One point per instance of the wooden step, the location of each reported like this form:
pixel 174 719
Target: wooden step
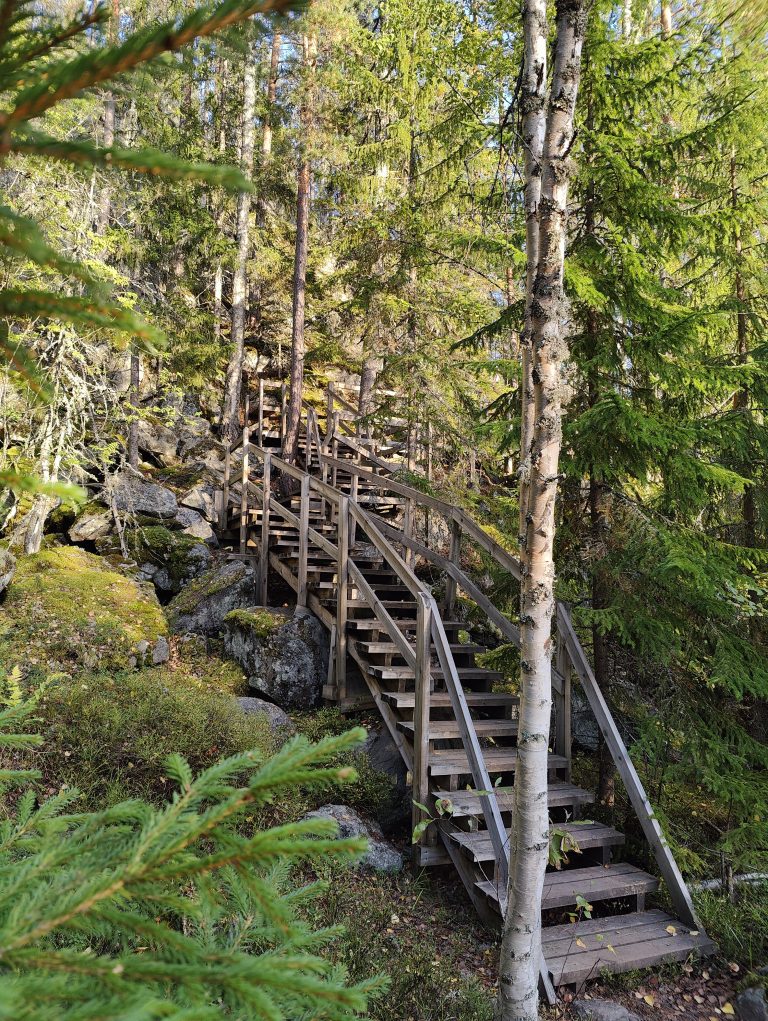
pixel 560 794
pixel 398 673
pixel 443 730
pixel 404 700
pixel 373 624
pixel 376 648
pixel 453 762
pixel 596 883
pixel 621 943
pixel 588 835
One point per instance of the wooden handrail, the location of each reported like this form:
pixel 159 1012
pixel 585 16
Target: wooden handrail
pixel 678 890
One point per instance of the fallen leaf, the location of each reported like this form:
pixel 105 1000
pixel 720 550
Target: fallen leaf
pixel 734 967
pixel 727 1008
pixel 650 999
pixel 581 943
pixel 672 930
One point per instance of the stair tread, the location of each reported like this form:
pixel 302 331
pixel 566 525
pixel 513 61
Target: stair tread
pixel 598 882
pixel 470 803
pixel 444 729
pixel 453 762
pixel 381 647
pixel 620 943
pixel 441 699
pixel 587 834
pixel 405 672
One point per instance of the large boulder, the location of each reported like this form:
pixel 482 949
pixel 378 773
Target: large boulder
pixel 168 559
pixel 133 494
pixel 67 609
pixel 7 568
pixel 285 656
pixel 193 523
pixel 157 440
pixel 584 729
pixel 203 604
pixel 201 498
pixel 192 432
pixel 94 522
pixel 280 723
pixel 381 855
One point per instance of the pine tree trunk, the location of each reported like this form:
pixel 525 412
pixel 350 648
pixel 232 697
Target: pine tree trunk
pixel 529 838
pixel 230 422
pixel 266 156
pixel 304 188
pixel 367 381
pixel 133 426
pixel 533 105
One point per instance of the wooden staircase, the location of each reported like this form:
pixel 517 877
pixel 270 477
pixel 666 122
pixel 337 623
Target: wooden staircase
pixel 346 540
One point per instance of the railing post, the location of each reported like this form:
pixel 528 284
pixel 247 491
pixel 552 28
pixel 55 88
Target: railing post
pixel 335 447
pixel 342 595
pixel 224 509
pixel 244 493
pixel 264 550
pixel 301 594
pixel 261 411
pixel 563 705
pixel 283 414
pixel 353 487
pixel 421 711
pixel 246 401
pixel 450 585
pixel 329 408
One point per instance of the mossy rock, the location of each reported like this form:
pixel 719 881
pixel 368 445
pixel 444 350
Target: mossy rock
pixel 202 605
pixel 68 609
pixel 260 622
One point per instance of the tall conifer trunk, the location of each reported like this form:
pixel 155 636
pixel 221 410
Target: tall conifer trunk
pixel 529 839
pixel 230 425
pixel 303 195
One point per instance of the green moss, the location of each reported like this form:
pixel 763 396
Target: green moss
pixel 203 660
pixel 110 733
pixel 159 545
pixel 259 622
pixel 67 608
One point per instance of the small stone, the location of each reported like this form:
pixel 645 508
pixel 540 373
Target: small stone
pixel 161 652
pixel 601 1010
pixel 751 1005
pixel 381 855
pixel 279 721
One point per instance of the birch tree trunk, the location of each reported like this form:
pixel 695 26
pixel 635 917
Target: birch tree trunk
pixel 230 425
pixel 529 839
pixel 303 192
pixel 533 105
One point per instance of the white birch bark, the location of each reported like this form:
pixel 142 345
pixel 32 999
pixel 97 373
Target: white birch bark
pixel 533 105
pixel 529 839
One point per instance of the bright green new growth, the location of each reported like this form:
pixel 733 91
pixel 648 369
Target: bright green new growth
pixel 178 912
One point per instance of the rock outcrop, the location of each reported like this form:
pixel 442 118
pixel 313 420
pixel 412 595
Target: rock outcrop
pixel 381 855
pixel 201 607
pixel 601 1010
pixel 284 655
pixel 157 440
